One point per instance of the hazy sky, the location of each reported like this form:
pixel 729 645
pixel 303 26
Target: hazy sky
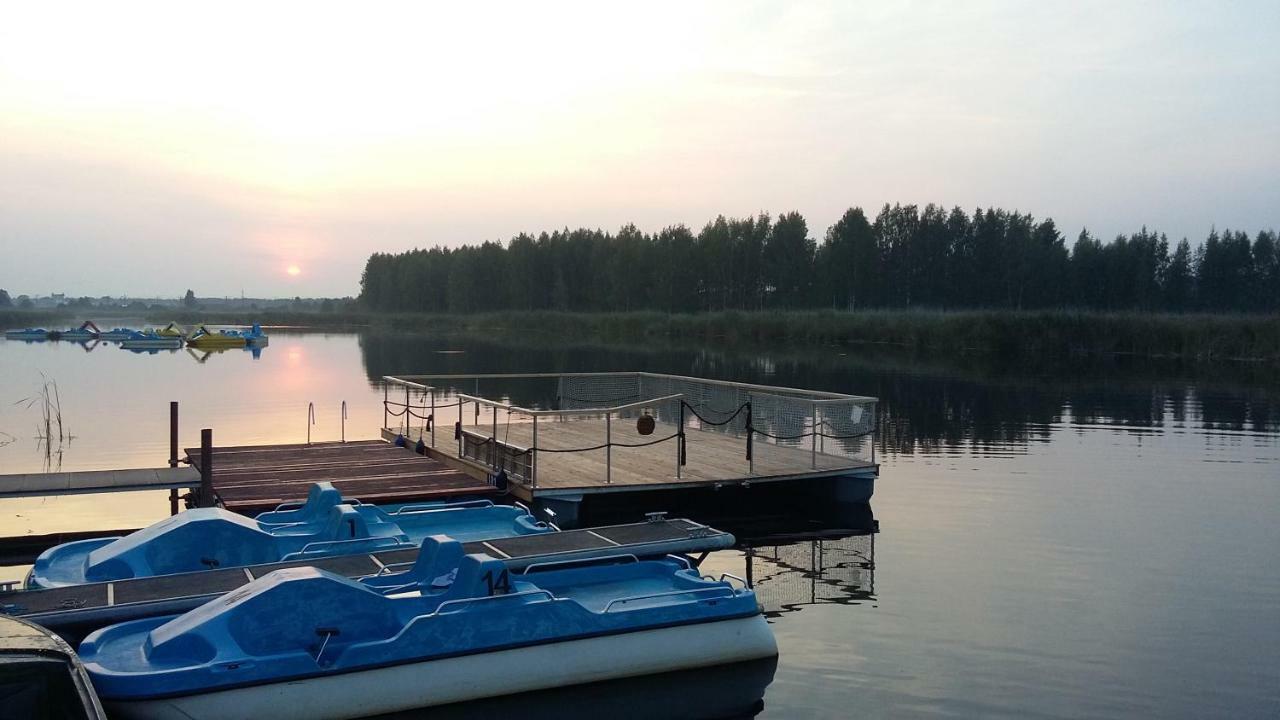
pixel 147 148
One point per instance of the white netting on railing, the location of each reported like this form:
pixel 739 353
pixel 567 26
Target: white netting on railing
pixel 788 577
pixel 708 405
pixel 783 419
pixel 728 430
pixel 598 391
pixel 789 418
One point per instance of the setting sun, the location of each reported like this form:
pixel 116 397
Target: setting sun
pixel 293 270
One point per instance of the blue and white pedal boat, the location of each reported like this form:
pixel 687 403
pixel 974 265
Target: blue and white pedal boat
pixel 303 643
pixel 28 334
pixel 86 331
pixel 116 334
pixel 150 340
pixel 253 337
pixel 325 526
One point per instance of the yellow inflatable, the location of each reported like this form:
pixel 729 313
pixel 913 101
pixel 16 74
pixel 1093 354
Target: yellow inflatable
pixel 206 339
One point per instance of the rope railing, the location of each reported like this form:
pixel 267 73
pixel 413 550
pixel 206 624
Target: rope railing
pixel 750 427
pixel 777 415
pixel 602 446
pixel 810 434
pixel 743 407
pixel 410 409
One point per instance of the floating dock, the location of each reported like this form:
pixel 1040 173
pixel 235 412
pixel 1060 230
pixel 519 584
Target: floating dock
pixel 97 481
pixel 617 434
pixel 256 478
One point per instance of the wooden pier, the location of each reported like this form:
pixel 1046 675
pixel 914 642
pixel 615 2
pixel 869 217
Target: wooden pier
pixel 612 434
pixel 255 478
pixel 709 458
pixel 97 481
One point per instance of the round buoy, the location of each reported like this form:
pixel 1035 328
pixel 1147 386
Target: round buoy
pixel 645 424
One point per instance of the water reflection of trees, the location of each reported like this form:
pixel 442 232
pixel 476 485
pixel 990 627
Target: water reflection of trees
pixel 925 407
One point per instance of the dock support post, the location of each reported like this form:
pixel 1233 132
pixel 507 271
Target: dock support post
pixel 813 425
pixel 344 421
pixel 173 453
pixel 431 419
pixel 680 441
pixel 386 409
pixel 205 498
pixel 533 461
pixel 608 449
pixel 406 412
pixel 751 461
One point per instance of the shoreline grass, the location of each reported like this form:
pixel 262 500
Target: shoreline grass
pixel 1200 337
pixel 1012 334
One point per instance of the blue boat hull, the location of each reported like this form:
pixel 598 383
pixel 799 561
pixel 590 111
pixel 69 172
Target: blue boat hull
pixel 311 643
pixel 467 678
pixel 30 335
pixel 211 538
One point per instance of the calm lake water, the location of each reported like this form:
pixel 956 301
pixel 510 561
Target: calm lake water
pixel 1088 542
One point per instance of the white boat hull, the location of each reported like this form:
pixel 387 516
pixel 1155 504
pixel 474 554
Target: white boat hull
pixel 472 677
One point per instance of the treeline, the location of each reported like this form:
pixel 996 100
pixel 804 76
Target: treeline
pixel 907 257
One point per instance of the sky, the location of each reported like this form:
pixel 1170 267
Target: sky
pixel 269 148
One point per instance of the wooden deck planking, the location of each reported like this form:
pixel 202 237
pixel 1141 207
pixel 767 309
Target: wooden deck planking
pixel 710 456
pixel 251 479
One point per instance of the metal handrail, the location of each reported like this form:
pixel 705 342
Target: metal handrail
pixel 467 601
pixel 387 569
pixel 816 394
pixel 452 507
pixel 578 411
pixel 410 509
pixel 735 577
pixel 688 564
pixel 692 591
pixel 311 419
pixel 397 588
pixel 373 541
pixel 394 380
pixel 602 560
pixel 302 503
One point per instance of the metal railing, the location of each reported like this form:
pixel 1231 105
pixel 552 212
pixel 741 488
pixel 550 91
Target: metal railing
pixel 765 415
pixel 522 462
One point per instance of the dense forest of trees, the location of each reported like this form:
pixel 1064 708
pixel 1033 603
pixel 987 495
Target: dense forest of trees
pixel 907 257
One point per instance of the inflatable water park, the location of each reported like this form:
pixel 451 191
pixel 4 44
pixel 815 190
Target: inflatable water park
pixel 170 337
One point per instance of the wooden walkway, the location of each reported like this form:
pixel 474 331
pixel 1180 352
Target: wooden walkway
pixel 97 481
pixel 254 478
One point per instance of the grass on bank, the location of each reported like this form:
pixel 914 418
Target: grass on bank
pixel 1199 337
